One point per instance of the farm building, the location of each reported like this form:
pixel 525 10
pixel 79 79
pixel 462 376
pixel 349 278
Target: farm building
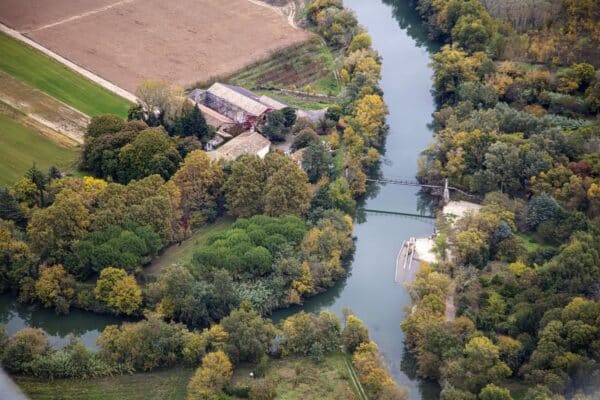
pixel 252 143
pixel 236 104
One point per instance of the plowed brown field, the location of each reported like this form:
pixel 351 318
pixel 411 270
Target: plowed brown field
pixel 128 41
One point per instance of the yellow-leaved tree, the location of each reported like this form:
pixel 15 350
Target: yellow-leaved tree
pixel 209 380
pixel 119 290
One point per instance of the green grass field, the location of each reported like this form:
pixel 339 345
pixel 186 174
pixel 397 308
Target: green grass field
pixel 294 101
pixel 183 254
pixel 53 78
pixel 530 242
pixel 21 146
pixel 169 384
pixel 298 378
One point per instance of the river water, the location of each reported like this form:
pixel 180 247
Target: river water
pixel 369 290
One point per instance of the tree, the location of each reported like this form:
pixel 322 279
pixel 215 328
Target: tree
pixel 192 123
pixel 144 345
pixel 102 125
pixel 10 209
pixel 250 335
pixel 199 182
pixel 369 117
pixel 472 33
pixel 162 103
pixel 151 152
pixel 54 230
pixel 287 191
pixel 210 379
pixel 542 208
pixel 472 247
pixel 504 166
pixel 360 41
pixel 373 375
pixel 493 392
pixel 452 66
pixel 341 196
pixel 244 187
pixel 290 116
pixel 479 366
pixel 55 288
pixel 24 347
pixel 304 138
pixel 118 290
pixel 17 263
pixel 316 161
pixel 275 126
pixel 354 333
pixel 39 179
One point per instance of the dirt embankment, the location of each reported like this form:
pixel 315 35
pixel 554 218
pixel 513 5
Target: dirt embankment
pixel 43 110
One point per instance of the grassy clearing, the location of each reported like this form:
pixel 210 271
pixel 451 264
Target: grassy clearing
pixel 169 384
pixel 302 379
pixel 53 78
pixel 21 146
pixel 183 253
pixel 297 379
pixel 531 243
pixel 311 63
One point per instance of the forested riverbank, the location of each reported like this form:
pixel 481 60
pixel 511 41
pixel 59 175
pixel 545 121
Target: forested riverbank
pixel 83 242
pixel 516 123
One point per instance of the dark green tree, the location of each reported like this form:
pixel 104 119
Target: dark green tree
pixel 275 126
pixel 290 116
pixel 192 123
pixel 9 208
pixel 39 179
pixel 316 161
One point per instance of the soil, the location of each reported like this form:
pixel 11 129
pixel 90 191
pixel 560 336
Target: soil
pixel 127 42
pixel 43 109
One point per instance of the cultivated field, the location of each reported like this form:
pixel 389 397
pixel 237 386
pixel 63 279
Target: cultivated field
pixel 49 76
pixel 43 108
pixel 129 41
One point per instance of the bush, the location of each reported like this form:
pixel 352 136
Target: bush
pixel 24 347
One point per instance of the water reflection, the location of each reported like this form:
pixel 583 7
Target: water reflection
pixel 84 325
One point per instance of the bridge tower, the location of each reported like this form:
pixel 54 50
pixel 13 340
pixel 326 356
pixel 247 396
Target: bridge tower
pixel 446 192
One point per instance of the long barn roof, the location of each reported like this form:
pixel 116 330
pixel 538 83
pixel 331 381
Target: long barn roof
pixel 239 97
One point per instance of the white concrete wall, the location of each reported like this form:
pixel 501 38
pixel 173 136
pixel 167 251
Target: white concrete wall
pixel 263 152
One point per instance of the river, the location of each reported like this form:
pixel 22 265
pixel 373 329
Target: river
pixel 369 290
pixel 399 36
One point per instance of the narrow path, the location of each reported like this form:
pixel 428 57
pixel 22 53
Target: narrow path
pixel 450 307
pixel 88 74
pixel 82 15
pixel 355 381
pixel 290 13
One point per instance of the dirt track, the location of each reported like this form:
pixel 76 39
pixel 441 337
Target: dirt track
pixel 127 42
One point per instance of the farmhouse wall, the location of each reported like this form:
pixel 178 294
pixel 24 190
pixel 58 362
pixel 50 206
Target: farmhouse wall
pixel 224 107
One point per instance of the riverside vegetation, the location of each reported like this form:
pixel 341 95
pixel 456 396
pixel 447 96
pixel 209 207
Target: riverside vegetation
pixel 517 124
pixel 83 242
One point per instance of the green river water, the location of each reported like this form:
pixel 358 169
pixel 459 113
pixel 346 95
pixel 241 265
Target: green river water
pixel 369 290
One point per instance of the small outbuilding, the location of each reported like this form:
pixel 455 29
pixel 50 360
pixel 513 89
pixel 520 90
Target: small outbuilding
pixel 252 143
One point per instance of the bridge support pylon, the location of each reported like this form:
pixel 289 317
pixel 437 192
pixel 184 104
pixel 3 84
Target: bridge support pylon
pixel 446 192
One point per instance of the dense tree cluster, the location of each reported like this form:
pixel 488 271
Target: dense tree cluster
pixel 357 127
pixel 270 262
pixel 274 186
pixel 524 138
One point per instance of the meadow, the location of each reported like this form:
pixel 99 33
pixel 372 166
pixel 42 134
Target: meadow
pixel 21 146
